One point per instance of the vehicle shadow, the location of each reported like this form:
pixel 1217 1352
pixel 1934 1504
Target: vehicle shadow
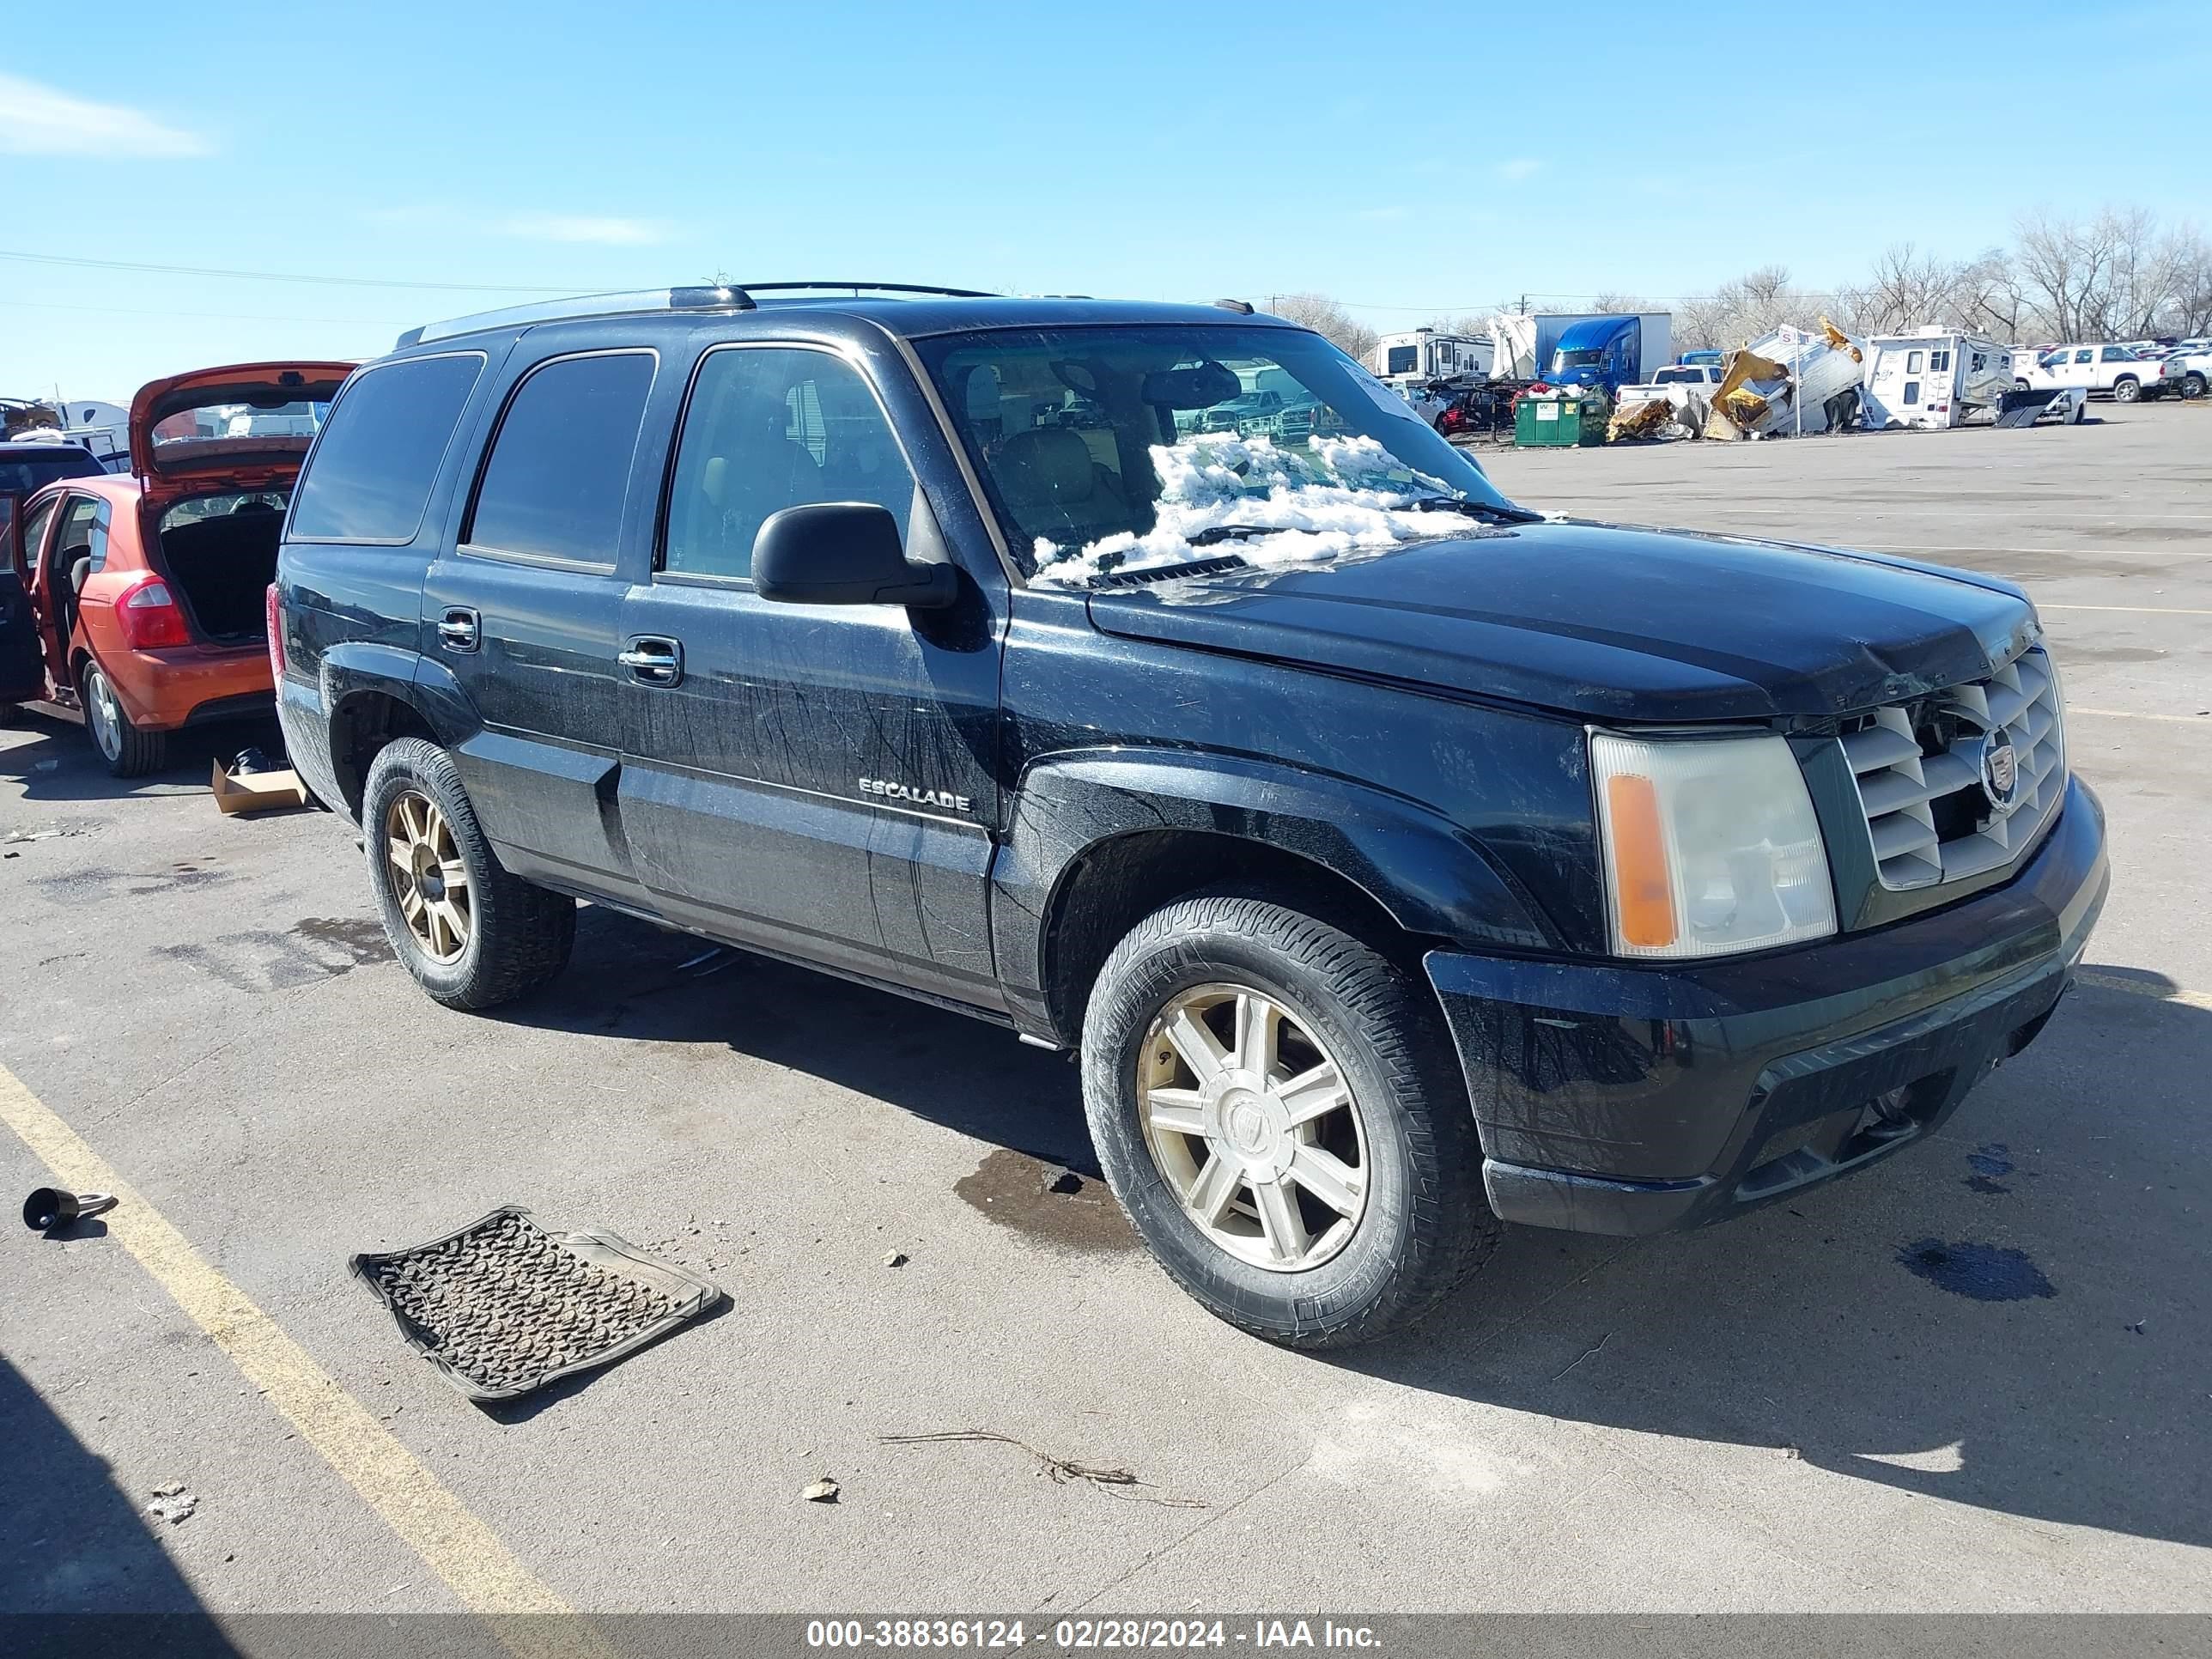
pixel 952 1069
pixel 2013 1315
pixel 1983 1320
pixel 51 757
pixel 80 1571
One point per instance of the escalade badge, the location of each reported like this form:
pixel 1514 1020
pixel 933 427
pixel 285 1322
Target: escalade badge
pixel 2000 773
pixel 945 799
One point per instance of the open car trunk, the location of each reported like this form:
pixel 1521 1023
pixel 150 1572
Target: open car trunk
pixel 216 452
pixel 221 562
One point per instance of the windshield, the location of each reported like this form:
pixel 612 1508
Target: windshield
pixel 1579 359
pixel 1266 442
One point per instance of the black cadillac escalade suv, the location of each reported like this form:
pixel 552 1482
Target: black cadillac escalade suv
pixel 1148 679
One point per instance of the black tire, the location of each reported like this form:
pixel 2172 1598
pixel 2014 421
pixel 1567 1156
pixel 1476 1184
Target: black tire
pixel 1425 1226
pixel 128 752
pixel 519 935
pixel 2192 385
pixel 2127 389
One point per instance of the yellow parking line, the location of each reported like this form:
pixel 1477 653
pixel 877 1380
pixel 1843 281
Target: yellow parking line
pixel 460 1548
pixel 2138 987
pixel 2204 721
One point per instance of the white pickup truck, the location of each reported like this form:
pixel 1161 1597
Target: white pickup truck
pixel 1677 383
pixel 2106 370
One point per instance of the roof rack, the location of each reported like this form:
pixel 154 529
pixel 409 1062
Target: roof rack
pixel 706 296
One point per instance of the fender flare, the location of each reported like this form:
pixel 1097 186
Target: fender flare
pixel 348 673
pixel 1432 878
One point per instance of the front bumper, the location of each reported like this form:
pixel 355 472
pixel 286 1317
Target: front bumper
pixel 1629 1100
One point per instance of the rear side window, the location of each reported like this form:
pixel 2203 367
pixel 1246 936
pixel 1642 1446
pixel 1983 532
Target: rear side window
pixel 555 482
pixel 370 476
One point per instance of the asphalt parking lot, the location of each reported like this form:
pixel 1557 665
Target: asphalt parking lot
pixel 1817 1407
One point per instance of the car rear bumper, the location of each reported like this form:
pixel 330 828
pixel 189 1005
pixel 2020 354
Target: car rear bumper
pixel 161 690
pixel 1613 1099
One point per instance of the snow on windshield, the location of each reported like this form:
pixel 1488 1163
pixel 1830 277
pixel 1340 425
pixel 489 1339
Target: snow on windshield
pixel 1329 498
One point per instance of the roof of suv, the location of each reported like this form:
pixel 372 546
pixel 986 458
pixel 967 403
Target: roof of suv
pixel 926 313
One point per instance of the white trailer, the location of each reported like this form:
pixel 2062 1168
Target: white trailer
pixel 1423 354
pixel 1933 378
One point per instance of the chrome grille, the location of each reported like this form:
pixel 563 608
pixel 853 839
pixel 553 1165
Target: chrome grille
pixel 1919 766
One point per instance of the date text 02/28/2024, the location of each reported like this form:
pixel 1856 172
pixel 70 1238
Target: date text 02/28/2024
pixel 1086 1635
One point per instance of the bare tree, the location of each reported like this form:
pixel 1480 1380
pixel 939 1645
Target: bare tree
pixel 1327 318
pixel 2066 269
pixel 1616 303
pixel 1739 311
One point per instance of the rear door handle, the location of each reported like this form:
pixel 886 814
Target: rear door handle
pixel 458 628
pixel 653 661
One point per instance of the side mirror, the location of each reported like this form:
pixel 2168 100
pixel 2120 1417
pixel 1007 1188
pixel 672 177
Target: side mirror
pixel 844 553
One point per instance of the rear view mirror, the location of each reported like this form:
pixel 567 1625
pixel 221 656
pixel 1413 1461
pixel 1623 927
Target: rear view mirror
pixel 844 553
pixel 1201 387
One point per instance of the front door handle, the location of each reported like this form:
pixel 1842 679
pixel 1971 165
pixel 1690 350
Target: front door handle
pixel 653 661
pixel 458 628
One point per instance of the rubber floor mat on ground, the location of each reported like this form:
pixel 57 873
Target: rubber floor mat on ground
pixel 503 1307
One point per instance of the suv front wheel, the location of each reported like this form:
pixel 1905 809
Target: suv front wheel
pixel 1278 1110
pixel 473 935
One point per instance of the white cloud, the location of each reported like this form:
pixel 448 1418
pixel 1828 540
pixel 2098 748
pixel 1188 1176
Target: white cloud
pixel 607 231
pixel 1520 167
pixel 39 120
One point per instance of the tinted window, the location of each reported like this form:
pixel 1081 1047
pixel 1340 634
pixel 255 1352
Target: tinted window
pixel 2084 356
pixel 2119 354
pixel 768 428
pixel 369 477
pixel 559 470
pixel 20 474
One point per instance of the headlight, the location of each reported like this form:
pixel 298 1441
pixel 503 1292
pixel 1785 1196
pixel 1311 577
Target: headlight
pixel 1710 845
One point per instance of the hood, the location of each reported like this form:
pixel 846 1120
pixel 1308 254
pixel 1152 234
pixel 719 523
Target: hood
pixel 1605 623
pixel 172 450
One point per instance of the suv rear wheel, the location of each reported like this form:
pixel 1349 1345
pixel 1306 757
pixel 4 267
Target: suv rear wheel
pixel 1278 1110
pixel 473 935
pixel 128 752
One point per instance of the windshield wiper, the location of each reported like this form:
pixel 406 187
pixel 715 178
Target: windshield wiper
pixel 1231 532
pixel 1488 512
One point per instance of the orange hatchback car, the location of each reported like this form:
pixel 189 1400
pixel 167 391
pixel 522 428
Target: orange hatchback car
pixel 148 594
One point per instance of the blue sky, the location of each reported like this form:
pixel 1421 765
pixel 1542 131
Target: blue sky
pixel 1412 159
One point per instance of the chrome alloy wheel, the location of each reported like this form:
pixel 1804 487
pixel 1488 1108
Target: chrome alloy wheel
pixel 1251 1121
pixel 100 709
pixel 428 877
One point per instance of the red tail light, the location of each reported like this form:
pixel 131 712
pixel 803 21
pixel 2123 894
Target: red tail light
pixel 149 616
pixel 272 610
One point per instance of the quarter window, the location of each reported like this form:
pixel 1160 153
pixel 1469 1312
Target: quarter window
pixel 559 468
pixel 770 428
pixel 373 465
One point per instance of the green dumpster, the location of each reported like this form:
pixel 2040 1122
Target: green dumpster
pixel 1559 423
